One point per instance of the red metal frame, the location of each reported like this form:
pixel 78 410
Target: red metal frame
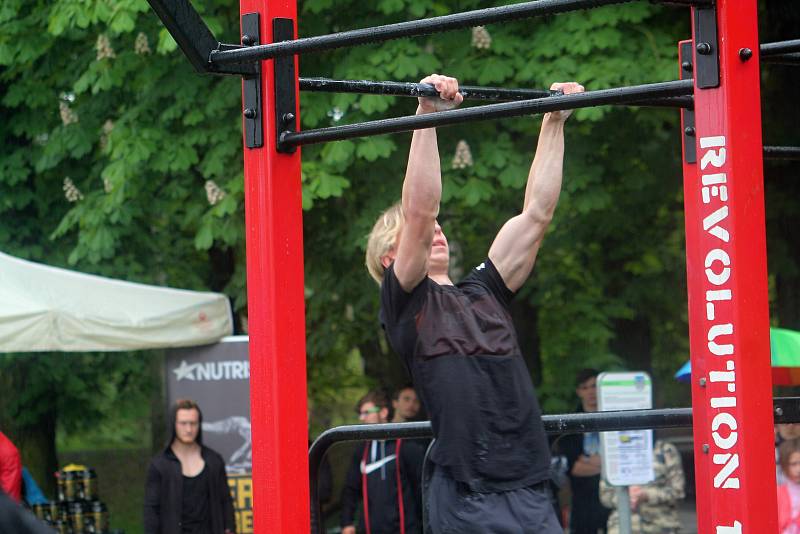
pixel 276 307
pixel 727 285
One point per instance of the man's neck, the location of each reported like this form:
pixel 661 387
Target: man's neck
pixel 441 279
pixel 182 449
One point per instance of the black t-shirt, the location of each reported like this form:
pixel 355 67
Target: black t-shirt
pixel 194 513
pixel 461 348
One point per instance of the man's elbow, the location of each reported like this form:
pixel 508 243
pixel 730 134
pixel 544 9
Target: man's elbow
pixel 539 216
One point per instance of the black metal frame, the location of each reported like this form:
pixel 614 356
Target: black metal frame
pixel 469 92
pixel 409 29
pixel 622 95
pixel 785 410
pixel 706 58
pixel 687 66
pixel 779 48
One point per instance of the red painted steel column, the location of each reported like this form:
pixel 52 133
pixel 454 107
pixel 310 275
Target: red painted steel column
pixel 276 313
pixel 727 286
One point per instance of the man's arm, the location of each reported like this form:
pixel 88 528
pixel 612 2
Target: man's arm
pixel 228 512
pixel 422 188
pixel 351 492
pixel 586 466
pixel 152 501
pixel 514 249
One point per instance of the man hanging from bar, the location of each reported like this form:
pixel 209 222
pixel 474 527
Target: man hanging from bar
pixel 489 465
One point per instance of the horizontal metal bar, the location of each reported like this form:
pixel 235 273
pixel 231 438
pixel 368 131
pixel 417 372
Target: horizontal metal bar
pixel 623 95
pixel 684 3
pixel 779 47
pixel 469 92
pixel 792 59
pixel 407 29
pixel 785 410
pixel 781 152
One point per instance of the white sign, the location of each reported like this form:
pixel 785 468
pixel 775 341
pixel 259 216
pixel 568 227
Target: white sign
pixel 628 454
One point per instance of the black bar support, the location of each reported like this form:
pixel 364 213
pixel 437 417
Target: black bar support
pixel 785 410
pixel 252 107
pixel 469 92
pixel 782 152
pixel 706 59
pixel 689 137
pixel 412 28
pixel 285 101
pixel 623 95
pixel 195 39
pixel 188 29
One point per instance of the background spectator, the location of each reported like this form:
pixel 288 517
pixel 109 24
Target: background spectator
pixel 654 506
pixel 10 469
pixel 587 514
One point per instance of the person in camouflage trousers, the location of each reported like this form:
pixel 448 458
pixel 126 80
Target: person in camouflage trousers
pixel 654 507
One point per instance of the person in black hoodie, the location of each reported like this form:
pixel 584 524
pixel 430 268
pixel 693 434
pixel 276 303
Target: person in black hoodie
pixel 187 489
pixel 385 477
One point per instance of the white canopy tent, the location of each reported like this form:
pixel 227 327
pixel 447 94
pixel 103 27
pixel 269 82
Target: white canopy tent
pixel 45 308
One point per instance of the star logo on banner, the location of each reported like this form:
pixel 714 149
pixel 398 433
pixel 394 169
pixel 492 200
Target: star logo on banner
pixel 185 371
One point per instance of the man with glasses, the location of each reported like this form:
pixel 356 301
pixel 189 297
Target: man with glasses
pixel 382 489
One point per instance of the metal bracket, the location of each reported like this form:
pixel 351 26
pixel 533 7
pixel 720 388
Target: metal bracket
pixel 285 80
pixel 689 134
pixel 253 115
pixel 706 63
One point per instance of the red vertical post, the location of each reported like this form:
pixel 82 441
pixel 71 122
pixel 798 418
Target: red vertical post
pixel 727 285
pixel 276 310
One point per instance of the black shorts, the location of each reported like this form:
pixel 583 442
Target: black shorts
pixel 451 507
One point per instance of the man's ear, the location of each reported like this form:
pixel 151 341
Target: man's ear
pixel 384 414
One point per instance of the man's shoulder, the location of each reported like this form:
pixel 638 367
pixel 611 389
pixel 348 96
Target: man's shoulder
pixel 213 457
pixel 163 461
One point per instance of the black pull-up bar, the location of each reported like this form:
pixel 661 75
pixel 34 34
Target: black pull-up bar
pixel 469 92
pixel 408 29
pixel 623 95
pixel 779 48
pixel 781 152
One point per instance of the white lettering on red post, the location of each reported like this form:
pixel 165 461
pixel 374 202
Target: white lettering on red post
pixel 718 299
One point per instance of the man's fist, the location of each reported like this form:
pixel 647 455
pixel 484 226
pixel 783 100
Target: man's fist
pixel 449 97
pixel 567 88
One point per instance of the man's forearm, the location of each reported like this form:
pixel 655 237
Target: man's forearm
pixel 422 187
pixel 544 178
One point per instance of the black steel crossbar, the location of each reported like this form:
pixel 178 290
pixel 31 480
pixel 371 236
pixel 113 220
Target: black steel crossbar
pixel 781 152
pixel 406 29
pixel 469 92
pixel 785 410
pixel 622 95
pixel 779 48
pixel 792 59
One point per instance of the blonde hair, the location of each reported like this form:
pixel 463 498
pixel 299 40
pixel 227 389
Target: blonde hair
pixel 382 239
